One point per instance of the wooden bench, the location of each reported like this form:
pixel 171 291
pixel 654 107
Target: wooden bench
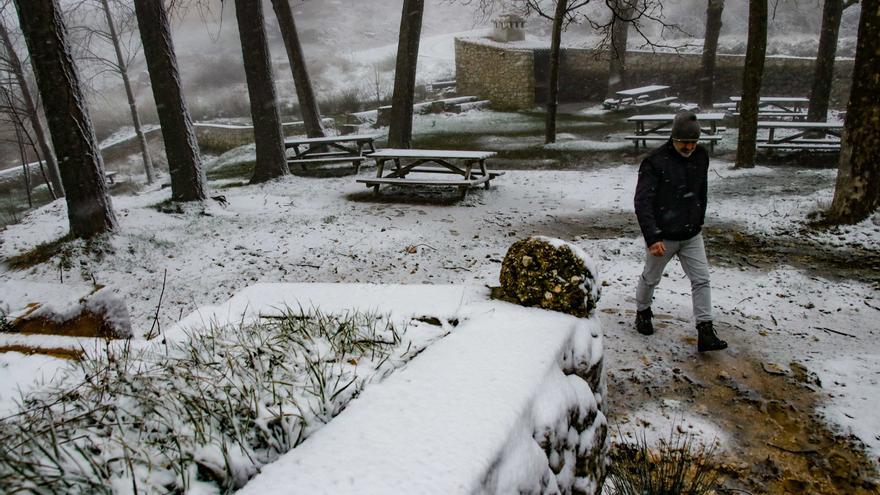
pixel 800 146
pixel 470 166
pixel 657 127
pixel 657 137
pixel 645 103
pixel 804 136
pixel 332 149
pixel 426 182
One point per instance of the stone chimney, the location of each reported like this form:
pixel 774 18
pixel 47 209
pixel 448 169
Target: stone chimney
pixel 508 27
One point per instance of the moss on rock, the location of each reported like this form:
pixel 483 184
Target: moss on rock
pixel 550 274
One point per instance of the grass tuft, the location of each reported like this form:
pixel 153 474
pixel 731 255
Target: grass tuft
pixel 677 466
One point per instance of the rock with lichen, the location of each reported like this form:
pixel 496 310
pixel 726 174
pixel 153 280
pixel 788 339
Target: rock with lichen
pixel 552 274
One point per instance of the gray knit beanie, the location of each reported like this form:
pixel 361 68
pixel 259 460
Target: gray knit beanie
pixel 685 127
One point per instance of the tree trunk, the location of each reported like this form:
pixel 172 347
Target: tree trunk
pixel 269 140
pixel 400 129
pixel 753 71
pixel 132 104
pixel 181 147
pixel 617 49
pixel 308 105
pixel 26 171
pixel 82 170
pixel 857 193
pixel 33 114
pixel 710 48
pixel 553 84
pixel 824 73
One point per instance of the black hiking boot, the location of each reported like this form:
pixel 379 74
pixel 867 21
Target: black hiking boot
pixel 707 340
pixel 643 322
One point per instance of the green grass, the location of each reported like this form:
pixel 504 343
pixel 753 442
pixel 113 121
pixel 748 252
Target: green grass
pixel 40 254
pixel 233 171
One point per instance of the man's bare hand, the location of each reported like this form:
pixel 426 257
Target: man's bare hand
pixel 657 249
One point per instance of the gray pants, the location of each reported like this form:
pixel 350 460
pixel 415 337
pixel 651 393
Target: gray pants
pixel 692 256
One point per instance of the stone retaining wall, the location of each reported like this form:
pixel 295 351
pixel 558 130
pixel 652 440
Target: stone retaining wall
pixel 506 75
pixel 212 138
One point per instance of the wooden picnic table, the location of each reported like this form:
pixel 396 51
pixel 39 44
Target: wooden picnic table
pixel 331 149
pixel 776 106
pixel 468 166
pixel 816 136
pixel 661 125
pixel 639 97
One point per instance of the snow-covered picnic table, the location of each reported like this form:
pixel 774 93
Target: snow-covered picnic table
pixel 815 136
pixel 662 125
pixel 469 165
pixel 639 97
pixel 776 106
pixel 331 149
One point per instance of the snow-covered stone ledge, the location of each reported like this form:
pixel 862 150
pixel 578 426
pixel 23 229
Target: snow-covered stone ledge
pixel 509 402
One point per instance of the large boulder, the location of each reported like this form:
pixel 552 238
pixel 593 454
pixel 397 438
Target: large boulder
pixel 551 274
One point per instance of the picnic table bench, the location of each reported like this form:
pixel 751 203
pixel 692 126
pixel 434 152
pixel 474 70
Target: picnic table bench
pixel 331 149
pixel 815 136
pixel 639 97
pixel 782 107
pixel 661 126
pixel 469 167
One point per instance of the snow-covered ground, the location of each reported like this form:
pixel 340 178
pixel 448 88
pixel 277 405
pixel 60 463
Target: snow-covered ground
pixel 306 229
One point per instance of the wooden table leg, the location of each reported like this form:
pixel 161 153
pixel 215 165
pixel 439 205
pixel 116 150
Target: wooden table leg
pixel 380 165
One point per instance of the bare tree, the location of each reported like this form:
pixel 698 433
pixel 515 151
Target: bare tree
pixel 181 147
pixel 120 66
pixel 82 171
pixel 13 64
pixel 617 47
pixel 820 93
pixel 403 97
pixel 308 105
pixel 857 192
pixel 18 119
pixel 710 49
pixel 268 137
pixel 11 109
pixel 753 72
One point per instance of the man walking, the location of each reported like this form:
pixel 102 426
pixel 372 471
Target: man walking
pixel 670 203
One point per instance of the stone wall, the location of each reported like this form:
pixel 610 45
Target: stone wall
pixel 212 138
pixel 504 76
pixel 584 74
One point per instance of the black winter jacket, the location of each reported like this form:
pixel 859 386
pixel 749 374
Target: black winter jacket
pixel 670 199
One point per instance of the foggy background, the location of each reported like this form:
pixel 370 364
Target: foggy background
pixel 350 47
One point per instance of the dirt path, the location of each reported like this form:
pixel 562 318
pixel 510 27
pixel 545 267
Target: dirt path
pixel 777 443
